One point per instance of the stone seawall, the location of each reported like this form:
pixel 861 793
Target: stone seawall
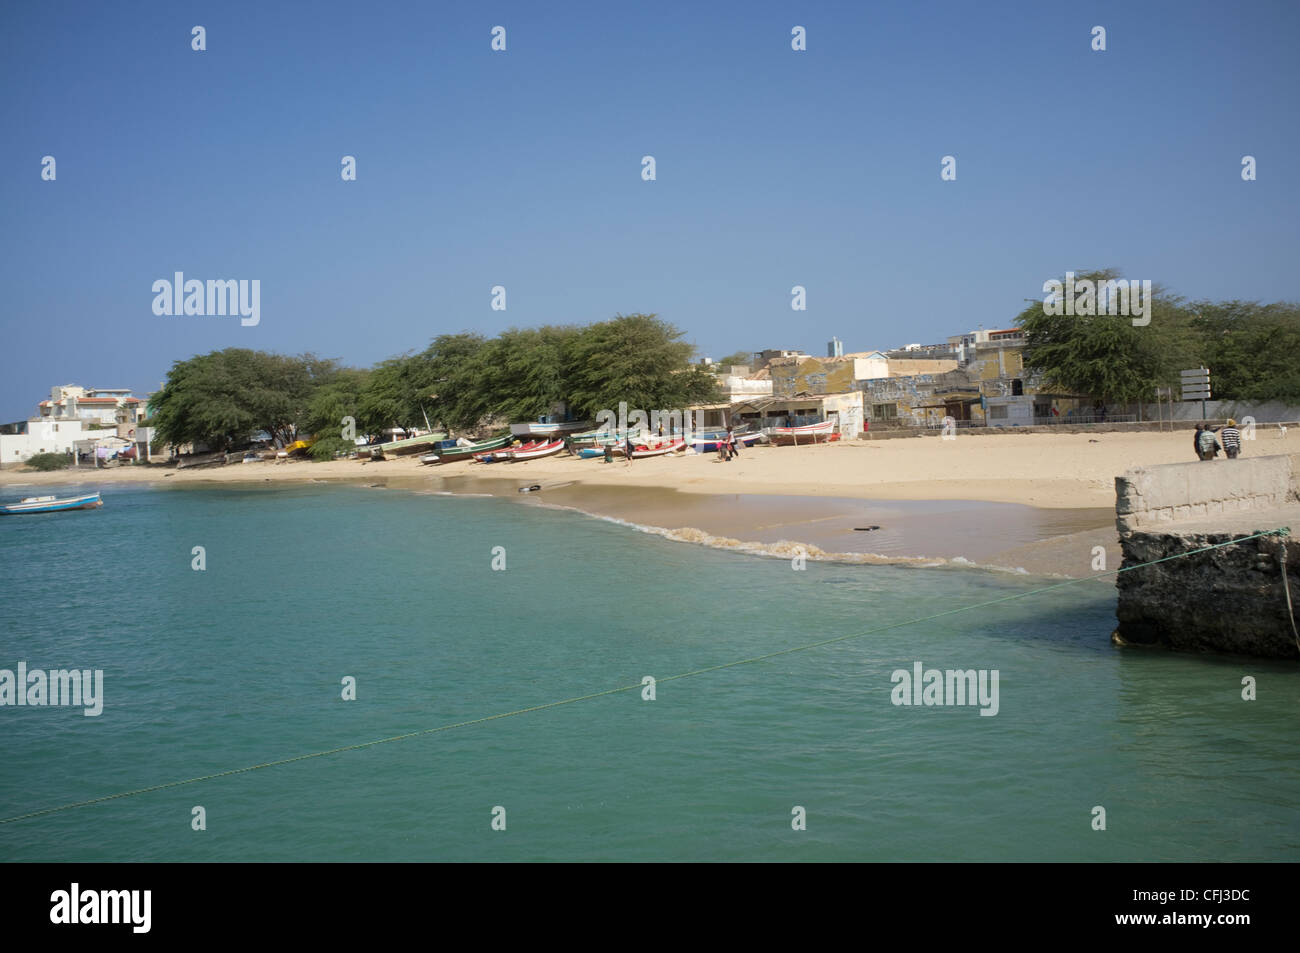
pixel 1232 599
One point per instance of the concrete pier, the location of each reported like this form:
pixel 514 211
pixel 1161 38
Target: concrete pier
pixel 1232 599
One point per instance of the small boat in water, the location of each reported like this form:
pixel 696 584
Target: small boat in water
pixel 51 504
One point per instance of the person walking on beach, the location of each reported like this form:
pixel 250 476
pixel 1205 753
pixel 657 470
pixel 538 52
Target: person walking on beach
pixel 1196 442
pixel 1231 437
pixel 627 449
pixel 733 445
pixel 1209 446
pixel 609 453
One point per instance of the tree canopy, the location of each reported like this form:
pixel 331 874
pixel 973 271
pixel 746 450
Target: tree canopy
pixel 1247 346
pixel 459 381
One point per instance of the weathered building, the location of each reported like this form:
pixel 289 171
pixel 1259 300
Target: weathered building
pixel 796 410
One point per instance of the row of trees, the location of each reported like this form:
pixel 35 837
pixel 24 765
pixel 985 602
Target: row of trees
pixel 1250 348
pixel 460 381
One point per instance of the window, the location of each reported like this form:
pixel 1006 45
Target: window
pixel 998 412
pixel 884 411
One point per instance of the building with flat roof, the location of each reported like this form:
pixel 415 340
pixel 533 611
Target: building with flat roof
pixel 107 406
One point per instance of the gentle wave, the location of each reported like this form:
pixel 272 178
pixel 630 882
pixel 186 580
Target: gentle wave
pixel 788 549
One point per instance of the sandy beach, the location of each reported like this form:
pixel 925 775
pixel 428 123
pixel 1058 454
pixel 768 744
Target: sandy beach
pixel 1028 501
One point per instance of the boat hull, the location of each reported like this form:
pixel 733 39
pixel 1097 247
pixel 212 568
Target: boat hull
pixel 638 452
pixel 710 445
pixel 89 502
pixel 797 436
pixel 521 456
pixel 549 430
pixel 473 450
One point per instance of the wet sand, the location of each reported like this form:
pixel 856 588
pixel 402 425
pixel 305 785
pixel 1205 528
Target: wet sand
pixel 1034 502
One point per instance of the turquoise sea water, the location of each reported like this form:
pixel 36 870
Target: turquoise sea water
pixel 241 664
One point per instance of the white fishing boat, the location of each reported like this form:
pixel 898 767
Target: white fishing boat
pixel 809 433
pixel 659 450
pixel 548 428
pixel 51 504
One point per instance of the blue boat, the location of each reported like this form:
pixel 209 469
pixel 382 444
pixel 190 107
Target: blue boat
pixel 51 504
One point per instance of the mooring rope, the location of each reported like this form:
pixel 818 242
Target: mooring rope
pixel 625 688
pixel 1286 587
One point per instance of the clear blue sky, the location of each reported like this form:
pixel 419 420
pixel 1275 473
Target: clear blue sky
pixel 522 168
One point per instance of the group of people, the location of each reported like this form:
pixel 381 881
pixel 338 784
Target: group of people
pixel 1207 445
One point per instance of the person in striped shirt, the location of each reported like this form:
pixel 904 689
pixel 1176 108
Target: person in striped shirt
pixel 1231 438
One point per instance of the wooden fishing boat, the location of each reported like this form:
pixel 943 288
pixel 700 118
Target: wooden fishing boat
pixel 809 433
pixel 409 445
pixel 658 451
pixel 451 454
pixel 710 444
pixel 52 504
pixel 521 454
pixel 503 454
pixel 549 428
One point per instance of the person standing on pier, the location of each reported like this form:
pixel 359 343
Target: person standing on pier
pixel 1231 438
pixel 1208 445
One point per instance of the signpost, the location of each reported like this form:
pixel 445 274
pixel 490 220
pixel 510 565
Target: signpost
pixel 1196 385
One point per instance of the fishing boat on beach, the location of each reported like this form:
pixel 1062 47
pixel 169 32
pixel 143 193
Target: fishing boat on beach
pixel 658 451
pixel 502 454
pixel 535 452
pixel 548 428
pixel 710 444
pixel 809 433
pixel 51 504
pixel 463 451
pixel 405 446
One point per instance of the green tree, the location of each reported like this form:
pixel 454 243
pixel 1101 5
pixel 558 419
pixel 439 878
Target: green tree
pixel 1106 356
pixel 224 397
pixel 739 357
pixel 337 395
pixel 636 358
pixel 1250 349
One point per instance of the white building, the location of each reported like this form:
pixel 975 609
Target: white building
pixel 72 414
pixel 108 406
pixel 42 436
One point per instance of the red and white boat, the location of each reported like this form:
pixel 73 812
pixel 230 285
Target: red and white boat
pixel 657 451
pixel 501 454
pixel 534 452
pixel 809 433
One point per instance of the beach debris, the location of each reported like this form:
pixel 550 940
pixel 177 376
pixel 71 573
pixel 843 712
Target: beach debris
pixel 530 489
pixel 865 529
